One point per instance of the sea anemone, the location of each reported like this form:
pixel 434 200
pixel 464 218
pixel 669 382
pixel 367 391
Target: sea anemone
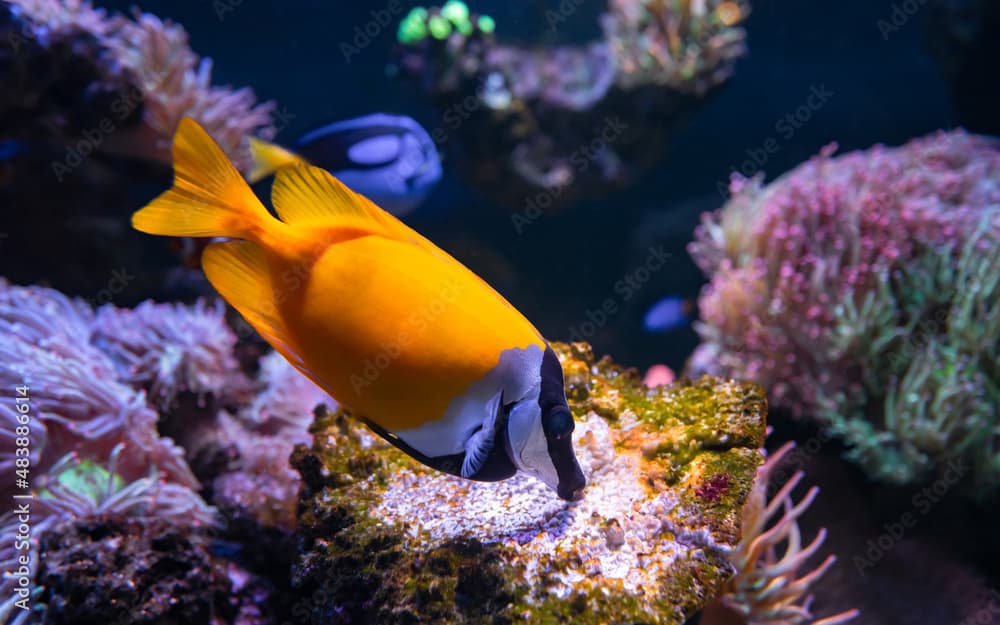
pixel 861 290
pixel 176 83
pixel 169 348
pixel 768 588
pixel 79 489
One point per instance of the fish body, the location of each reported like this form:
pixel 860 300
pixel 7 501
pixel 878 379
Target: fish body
pixel 390 159
pixel 428 354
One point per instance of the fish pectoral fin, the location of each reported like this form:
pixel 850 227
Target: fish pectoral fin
pixel 480 444
pixel 269 158
pixel 238 270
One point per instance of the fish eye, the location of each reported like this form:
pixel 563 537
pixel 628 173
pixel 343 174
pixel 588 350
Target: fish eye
pixel 558 423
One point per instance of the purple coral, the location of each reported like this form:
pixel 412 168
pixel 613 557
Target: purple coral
pixel 168 348
pixel 866 281
pixel 93 440
pixel 258 481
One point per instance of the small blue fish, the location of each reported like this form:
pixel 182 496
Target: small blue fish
pixel 388 158
pixel 668 314
pixel 10 148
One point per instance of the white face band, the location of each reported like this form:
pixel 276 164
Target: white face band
pixel 528 446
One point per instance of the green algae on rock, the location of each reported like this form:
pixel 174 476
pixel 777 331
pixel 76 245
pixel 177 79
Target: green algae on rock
pixel 386 540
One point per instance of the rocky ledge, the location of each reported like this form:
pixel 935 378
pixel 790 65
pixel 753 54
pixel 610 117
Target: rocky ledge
pixel 386 540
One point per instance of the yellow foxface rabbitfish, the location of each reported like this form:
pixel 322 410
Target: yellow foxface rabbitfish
pixel 415 344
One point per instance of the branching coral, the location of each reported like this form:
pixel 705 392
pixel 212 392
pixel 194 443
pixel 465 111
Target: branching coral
pixel 688 45
pixel 862 290
pixel 532 119
pixel 768 588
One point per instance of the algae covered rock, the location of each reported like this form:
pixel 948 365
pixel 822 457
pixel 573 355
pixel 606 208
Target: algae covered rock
pixel 386 540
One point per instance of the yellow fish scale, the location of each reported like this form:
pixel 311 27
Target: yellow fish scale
pixel 396 332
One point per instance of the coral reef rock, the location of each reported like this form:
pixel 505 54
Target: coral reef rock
pixel 530 121
pixel 117 570
pixel 385 540
pixel 861 291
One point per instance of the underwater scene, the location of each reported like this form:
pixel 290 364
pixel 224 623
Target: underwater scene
pixel 583 312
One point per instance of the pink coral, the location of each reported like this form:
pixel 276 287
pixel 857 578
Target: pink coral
pixel 788 261
pixel 77 403
pixel 169 348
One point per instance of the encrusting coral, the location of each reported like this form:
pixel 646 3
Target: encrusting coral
pixel 862 290
pixel 768 588
pixel 531 120
pixel 385 540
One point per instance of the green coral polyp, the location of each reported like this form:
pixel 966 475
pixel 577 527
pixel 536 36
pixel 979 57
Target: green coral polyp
pixel 486 24
pixel 439 27
pixel 455 12
pixel 413 28
pixel 87 479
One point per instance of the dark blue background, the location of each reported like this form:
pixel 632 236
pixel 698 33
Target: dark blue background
pixel 884 90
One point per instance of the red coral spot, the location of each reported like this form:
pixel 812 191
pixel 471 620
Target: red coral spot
pixel 714 487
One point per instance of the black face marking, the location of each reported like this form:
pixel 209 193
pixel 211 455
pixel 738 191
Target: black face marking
pixel 558 424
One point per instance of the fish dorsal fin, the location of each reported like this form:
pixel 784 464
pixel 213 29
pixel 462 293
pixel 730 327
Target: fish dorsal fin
pixel 304 194
pixel 238 270
pixel 308 194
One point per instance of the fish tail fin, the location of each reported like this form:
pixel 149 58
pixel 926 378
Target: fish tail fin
pixel 269 158
pixel 209 197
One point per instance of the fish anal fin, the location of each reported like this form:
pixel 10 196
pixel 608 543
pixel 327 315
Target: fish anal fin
pixel 239 272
